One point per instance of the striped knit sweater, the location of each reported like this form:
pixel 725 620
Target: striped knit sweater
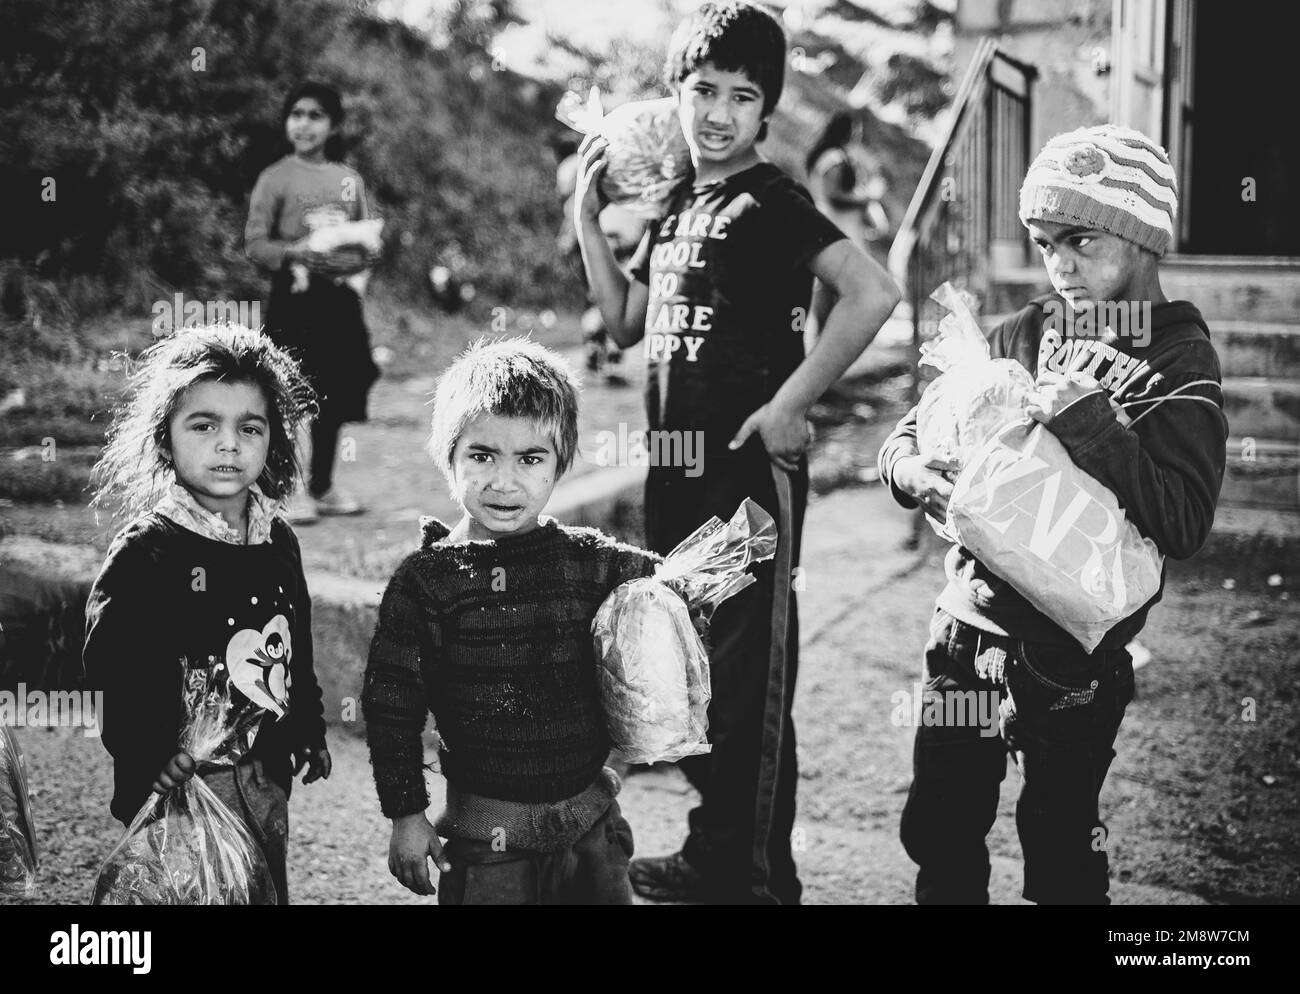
pixel 493 637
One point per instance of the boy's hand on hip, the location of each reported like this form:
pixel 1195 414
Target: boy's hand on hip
pixel 413 843
pixel 786 434
pixel 928 482
pixel 178 770
pixel 318 763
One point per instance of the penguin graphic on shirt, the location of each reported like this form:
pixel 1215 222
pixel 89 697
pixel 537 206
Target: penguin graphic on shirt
pixel 258 663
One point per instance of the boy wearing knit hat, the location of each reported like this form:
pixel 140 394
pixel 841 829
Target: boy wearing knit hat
pixel 488 626
pixel 1100 204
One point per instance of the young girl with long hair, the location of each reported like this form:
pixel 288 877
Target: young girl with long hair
pixel 207 571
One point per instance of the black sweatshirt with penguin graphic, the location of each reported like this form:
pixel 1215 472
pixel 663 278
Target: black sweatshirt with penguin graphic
pixel 165 594
pixel 1166 470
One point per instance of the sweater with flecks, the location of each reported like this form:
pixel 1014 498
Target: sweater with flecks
pixel 494 638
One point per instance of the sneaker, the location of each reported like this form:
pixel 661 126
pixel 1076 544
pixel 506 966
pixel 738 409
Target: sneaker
pixel 667 878
pixel 301 509
pixel 334 501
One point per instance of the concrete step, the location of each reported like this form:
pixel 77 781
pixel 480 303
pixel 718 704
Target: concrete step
pixel 1262 407
pixel 1258 348
pixel 1245 348
pixel 1235 288
pixel 1262 473
pixel 1282 526
pixel 1265 538
pixel 1226 289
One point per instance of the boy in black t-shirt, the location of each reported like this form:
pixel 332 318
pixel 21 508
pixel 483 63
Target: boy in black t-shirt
pixel 719 291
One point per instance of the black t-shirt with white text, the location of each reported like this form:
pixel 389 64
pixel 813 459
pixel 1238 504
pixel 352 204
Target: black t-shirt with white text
pixel 727 267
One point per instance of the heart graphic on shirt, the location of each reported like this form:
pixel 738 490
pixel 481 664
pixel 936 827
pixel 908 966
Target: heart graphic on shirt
pixel 259 664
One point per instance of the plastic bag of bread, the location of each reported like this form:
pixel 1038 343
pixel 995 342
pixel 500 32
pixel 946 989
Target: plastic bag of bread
pixel 647 154
pixel 186 846
pixel 1053 532
pixel 974 396
pixel 365 235
pixel 18 853
pixel 360 238
pixel 652 667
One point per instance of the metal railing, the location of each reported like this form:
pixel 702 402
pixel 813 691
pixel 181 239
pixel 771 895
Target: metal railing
pixel 969 193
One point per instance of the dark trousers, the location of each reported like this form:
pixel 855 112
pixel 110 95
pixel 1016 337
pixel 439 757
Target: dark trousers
pixel 1058 712
pixel 591 871
pixel 324 446
pixel 740 833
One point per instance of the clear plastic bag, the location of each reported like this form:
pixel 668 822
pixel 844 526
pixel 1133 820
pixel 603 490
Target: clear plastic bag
pixel 366 235
pixel 974 396
pixel 18 851
pixel 1053 532
pixel 653 668
pixel 647 154
pixel 186 846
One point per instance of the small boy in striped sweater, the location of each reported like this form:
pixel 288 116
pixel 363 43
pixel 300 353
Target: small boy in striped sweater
pixel 488 626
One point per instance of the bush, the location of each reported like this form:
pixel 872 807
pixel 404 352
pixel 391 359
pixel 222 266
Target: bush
pixel 133 141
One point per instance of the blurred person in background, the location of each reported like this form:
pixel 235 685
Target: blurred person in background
pixel 315 311
pixel 847 187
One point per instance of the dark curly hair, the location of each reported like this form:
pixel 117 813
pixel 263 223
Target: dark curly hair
pixel 135 469
pixel 732 36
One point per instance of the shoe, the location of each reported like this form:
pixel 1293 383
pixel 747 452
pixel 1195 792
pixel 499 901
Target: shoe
pixel 667 878
pixel 301 509
pixel 334 501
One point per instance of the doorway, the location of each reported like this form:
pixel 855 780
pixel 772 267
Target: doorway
pixel 1237 131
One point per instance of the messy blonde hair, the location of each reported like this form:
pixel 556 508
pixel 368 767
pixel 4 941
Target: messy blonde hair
pixel 511 378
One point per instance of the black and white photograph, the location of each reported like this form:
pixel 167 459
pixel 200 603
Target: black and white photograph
pixel 650 452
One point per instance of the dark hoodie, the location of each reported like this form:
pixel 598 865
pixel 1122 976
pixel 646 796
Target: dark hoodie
pixel 1166 470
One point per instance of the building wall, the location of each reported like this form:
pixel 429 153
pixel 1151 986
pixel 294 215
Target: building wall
pixel 1063 39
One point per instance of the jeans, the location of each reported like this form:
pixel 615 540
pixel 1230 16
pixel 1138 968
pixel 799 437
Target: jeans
pixel 252 795
pixel 593 870
pixel 1058 713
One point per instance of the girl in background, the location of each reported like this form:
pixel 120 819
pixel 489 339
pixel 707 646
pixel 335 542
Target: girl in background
pixel 315 310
